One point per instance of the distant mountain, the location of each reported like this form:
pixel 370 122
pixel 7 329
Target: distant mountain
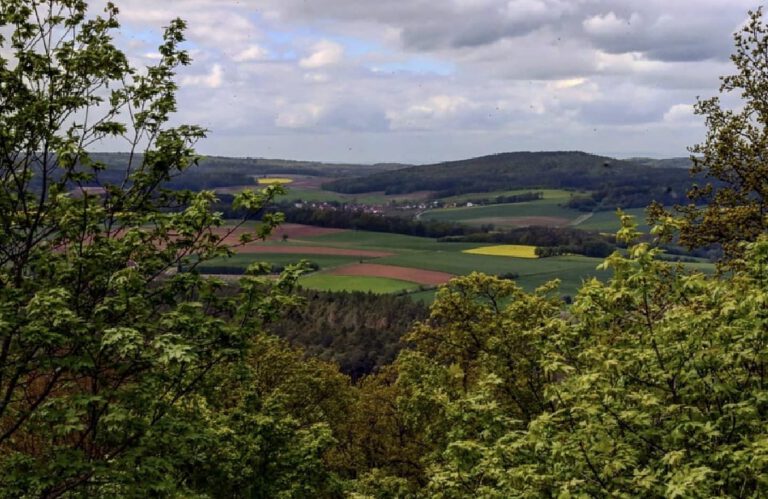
pixel 683 162
pixel 610 182
pixel 218 171
pixel 517 170
pixel 263 166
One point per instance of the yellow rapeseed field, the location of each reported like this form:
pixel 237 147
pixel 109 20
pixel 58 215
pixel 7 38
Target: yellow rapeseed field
pixel 514 250
pixel 274 180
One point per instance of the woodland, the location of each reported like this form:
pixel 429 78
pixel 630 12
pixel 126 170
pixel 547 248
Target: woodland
pixel 124 372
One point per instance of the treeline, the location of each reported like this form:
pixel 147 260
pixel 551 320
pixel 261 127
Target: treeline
pixel 512 198
pixel 217 171
pixel 342 216
pixel 550 241
pixel 361 332
pixel 358 219
pixel 274 268
pixel 610 198
pixel 212 171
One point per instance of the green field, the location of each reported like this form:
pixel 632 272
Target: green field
pixel 571 270
pixel 327 282
pixel 608 221
pixel 429 254
pixel 559 195
pixel 509 215
pixel 243 260
pixel 311 195
pixel 388 242
pixel 319 195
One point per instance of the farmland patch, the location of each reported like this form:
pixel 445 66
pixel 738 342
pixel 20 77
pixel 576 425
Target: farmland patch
pixel 252 248
pixel 289 231
pixel 328 282
pixel 519 221
pixel 274 180
pixel 419 276
pixel 511 250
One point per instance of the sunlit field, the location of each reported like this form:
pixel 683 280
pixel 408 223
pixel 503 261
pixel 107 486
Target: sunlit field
pixel 513 250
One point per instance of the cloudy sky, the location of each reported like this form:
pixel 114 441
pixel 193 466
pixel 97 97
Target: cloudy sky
pixel 429 80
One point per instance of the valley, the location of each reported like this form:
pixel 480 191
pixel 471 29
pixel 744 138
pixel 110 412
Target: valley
pixel 344 256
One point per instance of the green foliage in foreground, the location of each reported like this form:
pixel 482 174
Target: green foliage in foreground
pixel 650 385
pixel 122 378
pixel 111 362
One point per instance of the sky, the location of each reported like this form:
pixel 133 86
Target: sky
pixel 422 81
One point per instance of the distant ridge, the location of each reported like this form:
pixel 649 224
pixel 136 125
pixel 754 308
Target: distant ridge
pixel 682 162
pixel 522 170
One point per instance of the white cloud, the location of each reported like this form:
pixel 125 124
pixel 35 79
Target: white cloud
pixel 299 116
pixel 518 10
pixel 251 53
pixel 324 53
pixel 430 113
pixel 611 24
pixel 317 77
pixel 568 83
pixel 455 77
pixel 214 79
pixel 680 113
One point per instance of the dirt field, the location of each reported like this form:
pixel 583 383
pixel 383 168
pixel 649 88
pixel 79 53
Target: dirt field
pixel 403 273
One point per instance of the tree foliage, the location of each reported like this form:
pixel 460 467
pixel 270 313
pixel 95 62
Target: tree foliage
pixel 103 346
pixel 734 205
pixel 360 332
pixel 122 376
pixel 650 385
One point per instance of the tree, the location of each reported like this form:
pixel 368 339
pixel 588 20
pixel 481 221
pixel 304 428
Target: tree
pixel 473 374
pixel 734 153
pixel 650 385
pixel 274 426
pixel 103 345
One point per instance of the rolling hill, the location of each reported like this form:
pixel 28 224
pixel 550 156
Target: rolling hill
pixel 519 170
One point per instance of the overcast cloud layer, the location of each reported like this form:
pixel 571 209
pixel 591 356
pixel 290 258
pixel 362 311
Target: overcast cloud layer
pixel 429 80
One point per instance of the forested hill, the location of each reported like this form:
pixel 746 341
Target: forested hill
pixel 520 170
pixel 681 162
pixel 218 171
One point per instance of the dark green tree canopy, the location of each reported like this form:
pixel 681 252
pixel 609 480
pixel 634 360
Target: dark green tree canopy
pixel 103 345
pixel 734 154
